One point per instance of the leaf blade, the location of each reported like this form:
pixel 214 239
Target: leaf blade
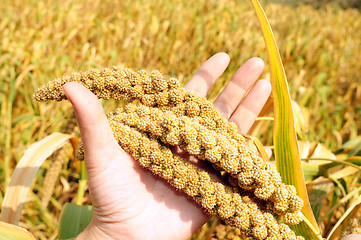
pixel 12 232
pixel 24 175
pixel 73 220
pixel 287 156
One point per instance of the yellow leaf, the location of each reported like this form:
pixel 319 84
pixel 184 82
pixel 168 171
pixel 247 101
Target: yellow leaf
pixel 12 232
pixel 300 120
pixel 287 156
pixel 304 147
pixel 24 175
pixel 257 143
pixel 321 151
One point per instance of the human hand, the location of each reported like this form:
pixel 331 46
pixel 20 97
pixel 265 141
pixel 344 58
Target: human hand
pixel 352 237
pixel 131 203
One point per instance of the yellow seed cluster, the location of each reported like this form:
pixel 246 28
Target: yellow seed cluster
pixel 120 84
pixel 275 231
pixel 231 205
pixel 159 113
pixel 228 154
pixel 226 232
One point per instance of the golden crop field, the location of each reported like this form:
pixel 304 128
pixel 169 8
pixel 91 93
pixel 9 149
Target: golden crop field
pixel 42 40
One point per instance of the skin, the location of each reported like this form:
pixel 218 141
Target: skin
pixel 352 237
pixel 131 203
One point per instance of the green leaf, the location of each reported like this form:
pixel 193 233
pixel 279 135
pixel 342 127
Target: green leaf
pixel 317 195
pixel 351 144
pixel 351 161
pixel 311 172
pixel 25 173
pixel 287 156
pixel 73 220
pixel 12 232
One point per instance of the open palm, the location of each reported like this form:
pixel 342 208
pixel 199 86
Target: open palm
pixel 131 203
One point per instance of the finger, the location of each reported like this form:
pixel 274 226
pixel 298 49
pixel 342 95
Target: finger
pixel 268 151
pixel 237 87
pixel 94 127
pixel 248 110
pixel 208 74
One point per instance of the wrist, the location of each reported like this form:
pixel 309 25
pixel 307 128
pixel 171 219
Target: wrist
pixel 93 232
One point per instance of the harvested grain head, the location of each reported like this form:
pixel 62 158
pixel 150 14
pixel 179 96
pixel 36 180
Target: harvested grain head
pixel 167 115
pixel 270 231
pixel 229 155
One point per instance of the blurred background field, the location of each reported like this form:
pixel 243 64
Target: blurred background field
pixel 320 45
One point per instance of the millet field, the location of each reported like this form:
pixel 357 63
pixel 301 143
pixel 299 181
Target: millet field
pixel 320 47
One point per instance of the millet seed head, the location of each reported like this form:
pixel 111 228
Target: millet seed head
pixel 165 115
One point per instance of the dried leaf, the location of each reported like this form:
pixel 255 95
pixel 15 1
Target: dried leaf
pixel 24 175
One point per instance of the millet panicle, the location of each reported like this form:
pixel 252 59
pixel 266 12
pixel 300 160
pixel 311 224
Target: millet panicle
pixel 160 113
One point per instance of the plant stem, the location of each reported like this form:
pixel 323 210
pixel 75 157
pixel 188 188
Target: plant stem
pixel 82 184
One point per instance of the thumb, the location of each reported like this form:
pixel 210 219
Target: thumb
pixel 96 134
